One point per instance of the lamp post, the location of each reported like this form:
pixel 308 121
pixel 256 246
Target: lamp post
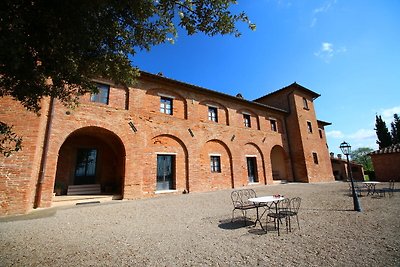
pixel 346 149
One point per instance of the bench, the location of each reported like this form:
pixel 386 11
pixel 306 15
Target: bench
pixel 240 201
pixel 85 189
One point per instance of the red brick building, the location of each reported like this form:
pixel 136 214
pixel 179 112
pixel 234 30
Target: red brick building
pixel 161 135
pixel 340 169
pixel 386 163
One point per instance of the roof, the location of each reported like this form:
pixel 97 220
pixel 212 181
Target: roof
pixel 345 161
pixel 198 88
pixel 296 86
pixel 324 123
pixel 387 150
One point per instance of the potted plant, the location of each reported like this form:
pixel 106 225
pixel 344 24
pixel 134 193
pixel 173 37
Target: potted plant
pixel 58 188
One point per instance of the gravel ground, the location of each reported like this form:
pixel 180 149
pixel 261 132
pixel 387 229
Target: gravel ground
pixel 195 230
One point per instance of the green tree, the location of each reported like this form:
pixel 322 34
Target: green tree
pixel 361 156
pixel 395 131
pixel 382 132
pixel 56 48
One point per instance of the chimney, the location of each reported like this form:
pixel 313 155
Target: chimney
pixel 332 155
pixel 339 156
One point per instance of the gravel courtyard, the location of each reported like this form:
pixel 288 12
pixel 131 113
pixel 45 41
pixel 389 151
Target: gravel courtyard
pixel 195 230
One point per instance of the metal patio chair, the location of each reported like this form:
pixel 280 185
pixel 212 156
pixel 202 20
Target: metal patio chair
pixel 357 187
pixel 279 213
pixel 240 201
pixel 389 190
pixel 293 210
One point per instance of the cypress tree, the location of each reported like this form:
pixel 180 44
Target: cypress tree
pixel 396 129
pixel 382 132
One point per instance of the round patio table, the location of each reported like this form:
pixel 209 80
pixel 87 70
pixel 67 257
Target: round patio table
pixel 371 186
pixel 269 200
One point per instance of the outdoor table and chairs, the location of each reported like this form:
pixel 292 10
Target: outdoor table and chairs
pixel 268 201
pixel 371 187
pixel 275 207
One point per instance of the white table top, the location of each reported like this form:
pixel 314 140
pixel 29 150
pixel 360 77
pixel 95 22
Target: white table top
pixel 371 182
pixel 266 199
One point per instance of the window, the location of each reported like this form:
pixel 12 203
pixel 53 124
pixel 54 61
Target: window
pixel 215 162
pixel 213 114
pixel 309 127
pixel 305 103
pixel 103 94
pixel 315 157
pixel 166 105
pixel 274 126
pixel 246 120
pixel 320 133
pixel 85 169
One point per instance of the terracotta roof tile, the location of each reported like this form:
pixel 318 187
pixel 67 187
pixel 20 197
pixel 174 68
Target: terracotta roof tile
pixel 387 150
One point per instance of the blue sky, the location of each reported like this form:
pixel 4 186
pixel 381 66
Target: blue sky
pixel 345 50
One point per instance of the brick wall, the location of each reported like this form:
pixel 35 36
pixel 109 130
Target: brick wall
pixel 303 144
pixel 19 173
pixel 130 132
pixel 386 166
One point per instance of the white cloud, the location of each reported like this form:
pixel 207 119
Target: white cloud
pixel 363 134
pixel 327 51
pixel 335 134
pixel 282 3
pixel 357 139
pixel 327 47
pixel 387 114
pixel 313 22
pixel 322 9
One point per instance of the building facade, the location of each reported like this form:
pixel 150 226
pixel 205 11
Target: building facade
pixel 161 136
pixel 386 163
pixel 340 169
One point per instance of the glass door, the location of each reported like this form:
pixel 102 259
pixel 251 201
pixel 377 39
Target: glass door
pixel 252 169
pixel 85 170
pixel 165 172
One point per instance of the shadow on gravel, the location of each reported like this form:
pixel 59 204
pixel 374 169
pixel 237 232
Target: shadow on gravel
pixel 255 230
pixel 326 210
pixel 227 224
pixel 35 214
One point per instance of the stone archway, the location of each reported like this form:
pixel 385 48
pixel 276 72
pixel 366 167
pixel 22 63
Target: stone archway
pixel 168 148
pixel 91 155
pixel 279 163
pixel 253 164
pixel 215 167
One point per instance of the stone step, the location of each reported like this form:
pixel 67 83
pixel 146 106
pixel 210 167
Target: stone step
pixel 85 189
pixel 66 200
pixel 280 182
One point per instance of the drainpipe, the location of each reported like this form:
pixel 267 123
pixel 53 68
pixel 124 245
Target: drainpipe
pixel 43 161
pixel 288 138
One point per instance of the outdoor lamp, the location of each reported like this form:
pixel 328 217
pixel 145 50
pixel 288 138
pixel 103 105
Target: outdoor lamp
pixel 346 149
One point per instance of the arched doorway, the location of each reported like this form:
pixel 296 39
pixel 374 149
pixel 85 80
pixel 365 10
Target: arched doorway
pixel 91 155
pixel 279 163
pixel 215 166
pixel 171 169
pixel 253 162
